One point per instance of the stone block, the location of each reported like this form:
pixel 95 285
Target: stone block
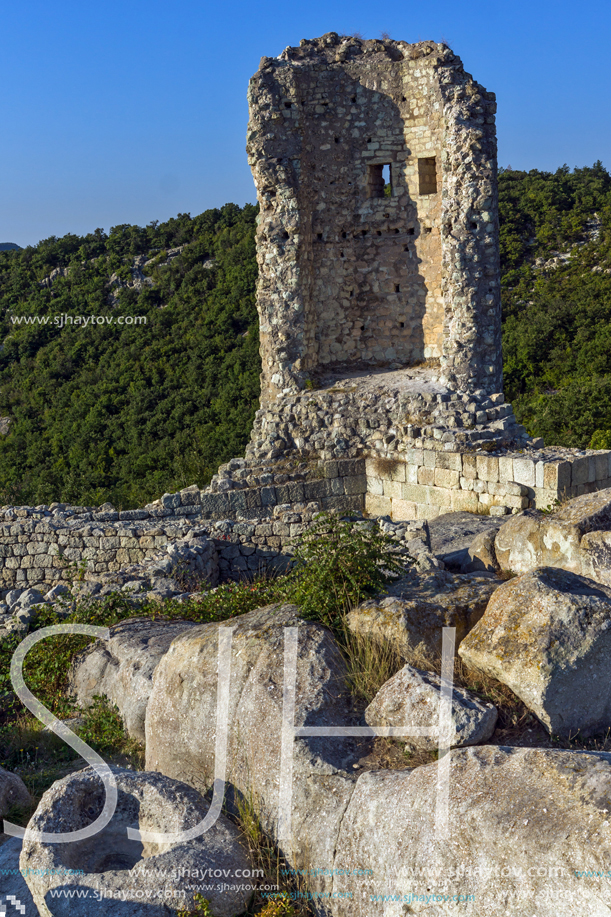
pixel 348 467
pixel 524 471
pixel 411 474
pixel 469 466
pixel 426 511
pixel 416 457
pixel 336 487
pixel 601 463
pixel 375 486
pixel 487 467
pixel 328 469
pixel 377 506
pixel 296 492
pixel 429 458
pixel 403 511
pixel 580 472
pixel 464 501
pixel 539 473
pixel 268 496
pixel 414 493
pixel 446 478
pixel 505 468
pixel 557 476
pixel 452 461
pixel 355 484
pixel 426 476
pixel 392 489
pixel 439 496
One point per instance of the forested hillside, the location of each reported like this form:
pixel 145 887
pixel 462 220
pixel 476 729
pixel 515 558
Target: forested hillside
pixel 126 411
pixel 556 264
pixel 164 386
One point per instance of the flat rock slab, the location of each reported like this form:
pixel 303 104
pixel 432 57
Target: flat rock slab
pixel 547 635
pixel 130 878
pixel 412 698
pixel 121 668
pixel 522 823
pixel 452 534
pixel 419 607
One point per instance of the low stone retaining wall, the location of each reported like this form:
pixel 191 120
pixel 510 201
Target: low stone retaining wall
pixel 424 483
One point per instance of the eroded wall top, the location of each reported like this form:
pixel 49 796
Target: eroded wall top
pixel 375 168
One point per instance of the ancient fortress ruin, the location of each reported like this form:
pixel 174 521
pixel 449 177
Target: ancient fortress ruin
pixel 379 303
pixel 375 167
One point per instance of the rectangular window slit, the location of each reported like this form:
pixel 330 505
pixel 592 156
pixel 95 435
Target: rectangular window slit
pixel 427 175
pixel 379 180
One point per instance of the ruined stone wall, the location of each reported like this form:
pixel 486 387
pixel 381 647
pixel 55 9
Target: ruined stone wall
pixel 358 270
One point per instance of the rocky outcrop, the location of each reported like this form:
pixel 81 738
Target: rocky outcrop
pixel 109 873
pixel 412 698
pixel 419 607
pixel 121 668
pixel 528 833
pixel 547 635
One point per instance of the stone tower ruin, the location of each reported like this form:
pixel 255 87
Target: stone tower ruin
pixel 375 167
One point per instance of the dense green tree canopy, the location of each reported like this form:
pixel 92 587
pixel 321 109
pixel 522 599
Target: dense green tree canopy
pixel 126 411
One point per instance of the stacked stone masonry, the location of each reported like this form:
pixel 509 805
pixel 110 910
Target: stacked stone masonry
pixel 375 167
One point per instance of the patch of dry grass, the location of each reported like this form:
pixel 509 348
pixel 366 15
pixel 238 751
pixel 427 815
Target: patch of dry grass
pixel 266 857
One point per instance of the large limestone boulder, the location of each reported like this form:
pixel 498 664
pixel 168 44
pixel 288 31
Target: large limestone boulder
pixel 420 607
pixel 121 668
pixel 13 792
pixel 522 824
pixel 535 539
pixel 412 697
pixel 547 635
pixel 181 724
pixel 111 874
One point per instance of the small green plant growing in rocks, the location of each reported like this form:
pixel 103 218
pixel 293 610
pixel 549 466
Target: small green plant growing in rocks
pixel 339 562
pixel 279 905
pixel 201 909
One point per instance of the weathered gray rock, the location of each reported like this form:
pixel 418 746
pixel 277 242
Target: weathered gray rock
pixel 411 698
pixel 13 792
pixel 595 551
pixel 57 592
pixel 534 539
pixel 481 555
pixel 121 874
pixel 122 667
pixel 11 880
pixel 521 822
pixel 30 597
pixel 181 723
pixel 547 635
pixel 419 607
pixel 452 533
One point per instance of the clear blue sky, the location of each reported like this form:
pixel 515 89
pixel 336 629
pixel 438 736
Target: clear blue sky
pixel 126 112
